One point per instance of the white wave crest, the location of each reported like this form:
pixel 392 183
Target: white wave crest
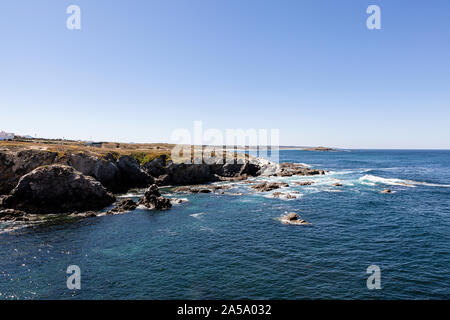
pixel 371 180
pixel 197 215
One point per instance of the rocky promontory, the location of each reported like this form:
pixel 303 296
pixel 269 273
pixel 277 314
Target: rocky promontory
pixel 69 179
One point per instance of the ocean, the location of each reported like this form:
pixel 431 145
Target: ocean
pixel 232 245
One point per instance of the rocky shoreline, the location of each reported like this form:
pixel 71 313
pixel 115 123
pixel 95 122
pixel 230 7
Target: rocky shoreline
pixel 80 184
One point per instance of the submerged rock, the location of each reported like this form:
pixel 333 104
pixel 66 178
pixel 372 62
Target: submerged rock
pixel 386 191
pixel 57 189
pixel 337 184
pixel 284 195
pixel 122 206
pixel 152 199
pixel 88 214
pixel 269 186
pixel 178 200
pixel 201 188
pixel 12 215
pixel 305 183
pixel 293 218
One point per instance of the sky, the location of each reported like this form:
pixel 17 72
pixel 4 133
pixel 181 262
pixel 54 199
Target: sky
pixel 138 70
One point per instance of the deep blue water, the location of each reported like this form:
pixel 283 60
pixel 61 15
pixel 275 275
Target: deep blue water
pixel 231 246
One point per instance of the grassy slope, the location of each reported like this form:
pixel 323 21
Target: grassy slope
pixel 142 152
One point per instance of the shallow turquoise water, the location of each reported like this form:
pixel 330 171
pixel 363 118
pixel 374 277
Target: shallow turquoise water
pixel 232 246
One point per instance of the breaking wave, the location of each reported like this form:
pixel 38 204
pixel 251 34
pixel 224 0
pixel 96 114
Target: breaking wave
pixel 372 180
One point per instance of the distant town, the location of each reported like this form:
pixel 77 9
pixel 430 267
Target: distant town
pixel 6 136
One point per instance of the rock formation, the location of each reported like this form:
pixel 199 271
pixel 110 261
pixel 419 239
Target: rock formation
pixel 152 199
pixel 57 189
pixel 305 183
pixel 269 186
pixel 294 219
pixel 122 206
pixel 294 169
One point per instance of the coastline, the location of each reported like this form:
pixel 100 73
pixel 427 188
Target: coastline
pixel 45 178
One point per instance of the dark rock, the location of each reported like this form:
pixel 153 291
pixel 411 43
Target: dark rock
pixel 103 170
pixel 187 174
pixel 386 191
pixel 13 165
pixel 306 183
pixel 152 199
pixel 201 188
pixel 122 206
pixel 229 170
pixel 294 219
pixel 291 216
pixel 132 176
pixel 266 186
pixel 57 189
pixel 290 169
pixel 153 190
pixel 12 215
pixel 337 184
pixel 156 167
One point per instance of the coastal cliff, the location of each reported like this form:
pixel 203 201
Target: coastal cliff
pixel 35 180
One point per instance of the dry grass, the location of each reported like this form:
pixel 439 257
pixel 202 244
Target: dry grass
pixel 142 152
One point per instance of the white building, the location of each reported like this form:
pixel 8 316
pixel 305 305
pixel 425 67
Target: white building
pixel 6 136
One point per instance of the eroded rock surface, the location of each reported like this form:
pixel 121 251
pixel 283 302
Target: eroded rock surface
pixel 152 199
pixel 57 189
pixel 122 206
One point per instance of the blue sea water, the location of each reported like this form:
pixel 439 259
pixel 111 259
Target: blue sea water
pixel 232 246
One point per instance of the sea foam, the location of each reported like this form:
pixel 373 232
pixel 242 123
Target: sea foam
pixel 370 179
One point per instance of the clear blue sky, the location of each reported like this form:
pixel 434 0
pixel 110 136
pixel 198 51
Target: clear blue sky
pixel 137 70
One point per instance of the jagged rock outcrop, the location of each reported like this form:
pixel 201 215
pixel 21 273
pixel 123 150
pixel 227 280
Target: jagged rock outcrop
pixel 152 199
pixel 156 167
pixel 228 170
pixel 288 169
pixel 57 189
pixel 122 206
pixel 132 176
pixel 13 165
pixel 103 170
pixel 186 174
